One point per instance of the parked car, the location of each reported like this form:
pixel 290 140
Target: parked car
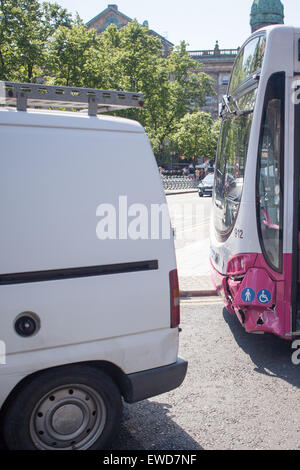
pixel 205 187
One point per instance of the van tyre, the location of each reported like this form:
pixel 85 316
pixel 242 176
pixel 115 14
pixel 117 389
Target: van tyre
pixel 72 407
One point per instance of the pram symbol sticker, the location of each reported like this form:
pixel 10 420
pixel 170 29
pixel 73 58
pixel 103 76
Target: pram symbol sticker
pixel 264 296
pixel 248 295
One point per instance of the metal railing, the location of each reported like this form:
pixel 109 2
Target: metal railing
pixel 173 183
pixel 209 53
pixel 24 95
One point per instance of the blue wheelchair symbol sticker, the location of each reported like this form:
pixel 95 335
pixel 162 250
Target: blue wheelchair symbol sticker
pixel 264 296
pixel 248 295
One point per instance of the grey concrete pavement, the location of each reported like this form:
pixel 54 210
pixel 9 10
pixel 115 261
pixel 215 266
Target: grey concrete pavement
pixel 190 217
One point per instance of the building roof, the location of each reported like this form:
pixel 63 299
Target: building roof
pixel 266 12
pixel 214 55
pixel 115 17
pixel 112 8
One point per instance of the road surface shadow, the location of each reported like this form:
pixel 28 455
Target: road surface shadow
pixel 270 354
pixel 148 425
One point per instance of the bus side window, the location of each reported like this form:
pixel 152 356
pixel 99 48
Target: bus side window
pixel 270 173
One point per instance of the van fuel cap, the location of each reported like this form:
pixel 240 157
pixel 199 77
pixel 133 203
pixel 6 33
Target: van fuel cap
pixel 27 324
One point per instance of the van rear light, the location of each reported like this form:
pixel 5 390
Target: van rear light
pixel 175 299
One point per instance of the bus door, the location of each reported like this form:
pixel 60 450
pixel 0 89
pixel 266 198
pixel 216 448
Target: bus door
pixel 278 194
pixel 274 189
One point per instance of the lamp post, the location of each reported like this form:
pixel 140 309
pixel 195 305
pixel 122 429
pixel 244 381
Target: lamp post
pixel 161 147
pixel 172 155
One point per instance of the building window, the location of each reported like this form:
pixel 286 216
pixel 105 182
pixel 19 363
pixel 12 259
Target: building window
pixel 111 19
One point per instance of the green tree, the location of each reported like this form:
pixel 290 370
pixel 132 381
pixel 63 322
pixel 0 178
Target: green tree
pixel 101 69
pixel 6 25
pixel 43 41
pixel 25 27
pixel 131 59
pixel 55 16
pixel 197 136
pixel 180 83
pixel 68 55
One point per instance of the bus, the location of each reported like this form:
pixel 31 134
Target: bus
pixel 255 226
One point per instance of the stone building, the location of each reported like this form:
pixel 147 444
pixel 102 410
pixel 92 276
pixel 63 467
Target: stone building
pixel 112 15
pixel 218 62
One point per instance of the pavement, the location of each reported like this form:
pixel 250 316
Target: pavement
pixel 194 277
pixel 195 282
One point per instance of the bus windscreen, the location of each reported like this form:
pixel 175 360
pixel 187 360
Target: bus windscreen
pixel 248 61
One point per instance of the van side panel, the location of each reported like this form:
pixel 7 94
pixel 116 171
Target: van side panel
pixel 50 198
pixel 50 195
pixel 131 354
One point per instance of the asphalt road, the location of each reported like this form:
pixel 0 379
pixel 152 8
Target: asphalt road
pixel 241 391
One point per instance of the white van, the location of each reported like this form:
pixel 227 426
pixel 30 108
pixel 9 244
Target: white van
pixel 89 310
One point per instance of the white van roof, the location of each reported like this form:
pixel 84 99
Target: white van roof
pixel 72 120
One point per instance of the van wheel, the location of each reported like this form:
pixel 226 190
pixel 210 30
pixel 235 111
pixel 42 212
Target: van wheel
pixel 72 407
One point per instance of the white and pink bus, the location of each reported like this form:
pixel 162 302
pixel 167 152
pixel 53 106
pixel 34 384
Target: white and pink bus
pixel 255 224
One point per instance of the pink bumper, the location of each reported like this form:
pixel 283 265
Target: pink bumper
pixel 260 297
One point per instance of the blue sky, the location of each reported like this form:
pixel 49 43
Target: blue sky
pixel 198 22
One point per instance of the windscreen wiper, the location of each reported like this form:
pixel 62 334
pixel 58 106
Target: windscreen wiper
pixel 238 111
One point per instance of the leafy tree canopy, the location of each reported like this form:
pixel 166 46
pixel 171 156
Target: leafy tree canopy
pixel 43 42
pixel 25 28
pixel 197 136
